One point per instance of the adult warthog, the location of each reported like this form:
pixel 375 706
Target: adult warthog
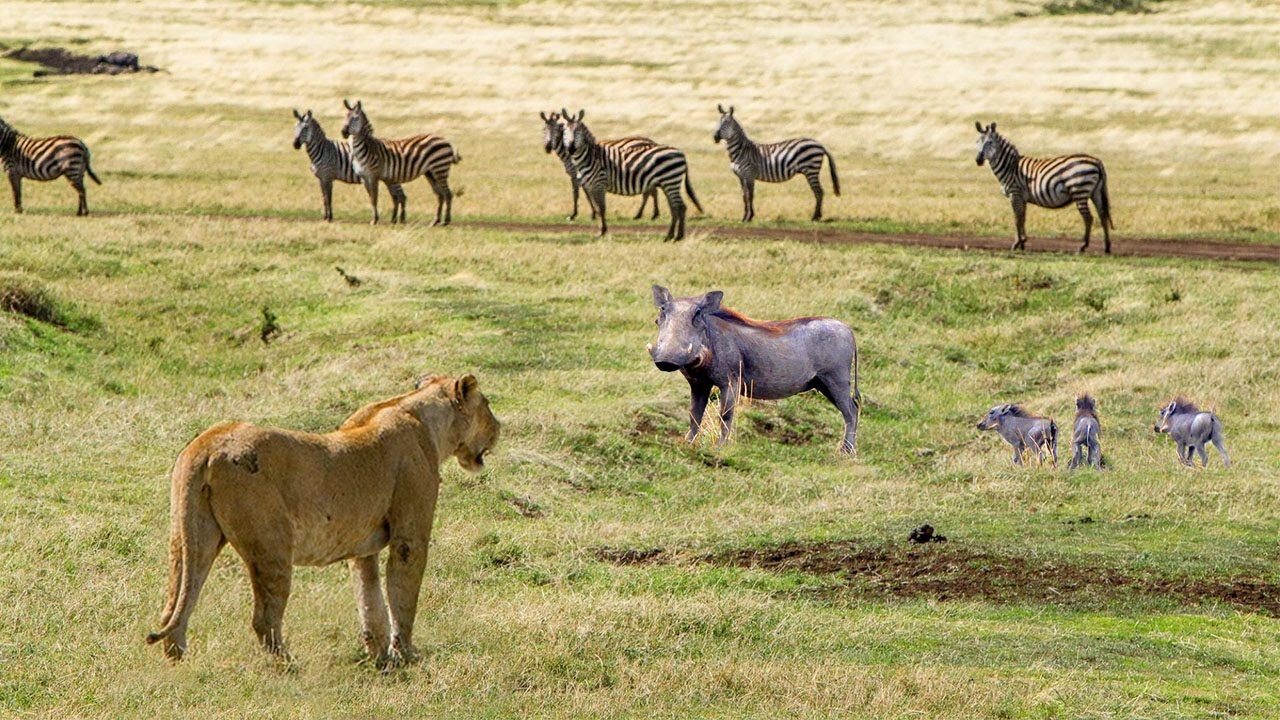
pixel 1191 428
pixel 717 347
pixel 1023 431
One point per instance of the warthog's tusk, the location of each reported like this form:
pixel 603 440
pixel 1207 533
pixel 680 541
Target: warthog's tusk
pixel 649 348
pixel 689 349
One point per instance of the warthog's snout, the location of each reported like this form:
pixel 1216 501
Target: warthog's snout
pixel 1158 429
pixel 667 366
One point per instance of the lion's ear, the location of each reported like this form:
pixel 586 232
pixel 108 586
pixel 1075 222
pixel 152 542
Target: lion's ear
pixel 466 387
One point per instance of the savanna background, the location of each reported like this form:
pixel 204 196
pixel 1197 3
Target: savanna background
pixel 601 567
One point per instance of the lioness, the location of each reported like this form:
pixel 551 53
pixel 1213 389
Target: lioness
pixel 283 498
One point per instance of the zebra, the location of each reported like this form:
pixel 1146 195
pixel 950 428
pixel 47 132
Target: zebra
pixel 627 171
pixel 330 160
pixel 44 159
pixel 1047 182
pixel 553 141
pixel 399 161
pixel 773 162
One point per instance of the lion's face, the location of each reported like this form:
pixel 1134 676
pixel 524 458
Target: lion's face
pixel 480 428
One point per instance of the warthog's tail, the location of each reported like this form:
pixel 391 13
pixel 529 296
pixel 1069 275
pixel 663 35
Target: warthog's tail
pixel 1053 441
pixel 831 165
pixel 688 187
pixel 1216 439
pixel 194 541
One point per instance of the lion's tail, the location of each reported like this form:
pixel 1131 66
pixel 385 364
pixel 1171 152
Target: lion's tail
pixel 194 540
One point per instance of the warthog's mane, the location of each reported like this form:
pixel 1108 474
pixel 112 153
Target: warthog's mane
pixel 1019 411
pixel 773 327
pixel 1182 405
pixel 1086 407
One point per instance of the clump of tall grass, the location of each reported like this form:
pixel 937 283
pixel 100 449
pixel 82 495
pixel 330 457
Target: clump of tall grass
pixel 1098 7
pixel 23 294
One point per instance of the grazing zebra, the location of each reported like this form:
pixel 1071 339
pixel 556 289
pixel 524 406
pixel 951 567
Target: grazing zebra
pixel 627 171
pixel 399 161
pixel 44 159
pixel 330 160
pixel 773 162
pixel 553 141
pixel 1047 182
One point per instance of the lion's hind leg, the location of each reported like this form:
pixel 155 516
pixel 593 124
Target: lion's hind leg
pixel 375 631
pixel 271 575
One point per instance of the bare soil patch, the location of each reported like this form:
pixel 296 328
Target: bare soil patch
pixel 60 61
pixel 1121 246
pixel 953 572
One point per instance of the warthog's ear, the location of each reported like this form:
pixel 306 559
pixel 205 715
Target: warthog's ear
pixel 466 388
pixel 661 296
pixel 711 301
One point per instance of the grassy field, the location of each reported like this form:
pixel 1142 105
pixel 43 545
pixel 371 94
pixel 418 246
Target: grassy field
pixel 601 567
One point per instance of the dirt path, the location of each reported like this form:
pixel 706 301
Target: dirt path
pixel 1121 246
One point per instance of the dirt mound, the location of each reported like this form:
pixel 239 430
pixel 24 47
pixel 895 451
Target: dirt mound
pixel 953 572
pixel 60 61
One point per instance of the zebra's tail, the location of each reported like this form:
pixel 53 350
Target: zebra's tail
pixel 831 165
pixel 1104 207
pixel 89 170
pixel 688 187
pixel 457 157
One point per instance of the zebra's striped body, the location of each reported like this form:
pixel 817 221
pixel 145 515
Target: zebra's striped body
pixel 553 141
pixel 628 170
pixel 1047 182
pixel 330 160
pixel 399 161
pixel 44 159
pixel 773 162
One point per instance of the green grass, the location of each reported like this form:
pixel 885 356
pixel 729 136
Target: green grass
pixel 151 311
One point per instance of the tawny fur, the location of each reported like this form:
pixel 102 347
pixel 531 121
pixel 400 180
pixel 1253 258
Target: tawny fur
pixel 283 498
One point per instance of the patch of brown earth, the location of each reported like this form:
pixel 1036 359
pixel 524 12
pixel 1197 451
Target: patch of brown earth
pixel 60 61
pixel 953 572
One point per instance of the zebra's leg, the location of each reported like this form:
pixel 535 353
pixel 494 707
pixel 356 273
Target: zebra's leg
pixel 444 198
pixel 675 231
pixel 371 187
pixel 15 181
pixel 78 184
pixel 574 181
pixel 1104 215
pixel 644 200
pixel 1020 221
pixel 326 191
pixel 1083 205
pixel 398 202
pixel 816 186
pixel 654 196
pixel 748 198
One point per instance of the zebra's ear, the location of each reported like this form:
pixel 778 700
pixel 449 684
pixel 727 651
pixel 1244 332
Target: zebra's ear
pixel 979 126
pixel 296 115
pixel 564 113
pixel 581 114
pixel 346 104
pixel 720 108
pixel 991 127
pixel 730 111
pixel 544 116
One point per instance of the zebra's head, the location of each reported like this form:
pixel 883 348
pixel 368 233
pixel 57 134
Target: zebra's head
pixel 8 137
pixel 988 142
pixel 306 131
pixel 357 122
pixel 728 128
pixel 552 132
pixel 575 136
